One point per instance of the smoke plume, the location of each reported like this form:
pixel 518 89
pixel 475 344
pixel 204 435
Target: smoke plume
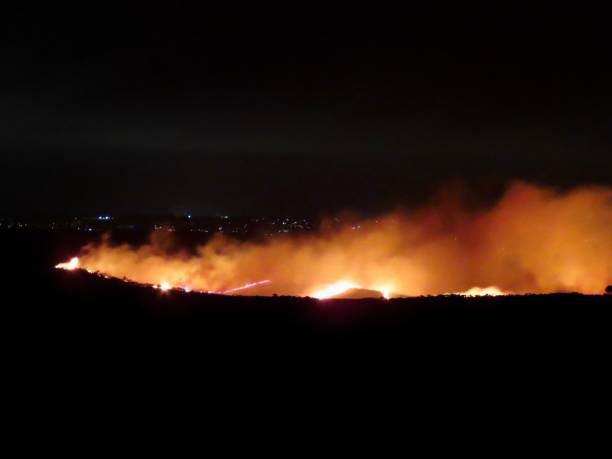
pixel 533 239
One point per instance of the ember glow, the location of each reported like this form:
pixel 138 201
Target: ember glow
pixel 534 240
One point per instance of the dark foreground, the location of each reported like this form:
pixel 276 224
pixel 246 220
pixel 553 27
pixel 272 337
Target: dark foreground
pixel 70 303
pixel 76 336
pixel 46 307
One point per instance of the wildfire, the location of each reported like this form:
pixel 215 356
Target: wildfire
pixel 487 291
pixel 385 292
pixel 333 290
pixel 534 240
pixel 340 287
pixel 70 265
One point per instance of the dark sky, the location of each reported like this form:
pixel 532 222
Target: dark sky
pixel 294 112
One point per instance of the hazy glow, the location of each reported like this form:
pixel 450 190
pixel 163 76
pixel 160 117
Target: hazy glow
pixel 534 240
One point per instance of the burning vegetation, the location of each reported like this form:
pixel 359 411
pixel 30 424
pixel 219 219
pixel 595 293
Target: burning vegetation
pixel 534 240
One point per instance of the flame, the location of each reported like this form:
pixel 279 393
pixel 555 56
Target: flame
pixel 340 287
pixel 70 265
pixel 487 291
pixel 533 240
pixel 333 290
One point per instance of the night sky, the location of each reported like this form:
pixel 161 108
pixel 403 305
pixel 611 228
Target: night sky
pixel 295 112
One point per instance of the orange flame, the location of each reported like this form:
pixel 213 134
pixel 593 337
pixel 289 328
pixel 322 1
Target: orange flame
pixel 333 290
pixel 487 291
pixel 70 265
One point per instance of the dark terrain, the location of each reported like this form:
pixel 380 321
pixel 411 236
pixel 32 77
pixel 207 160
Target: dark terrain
pixel 51 306
pixel 73 336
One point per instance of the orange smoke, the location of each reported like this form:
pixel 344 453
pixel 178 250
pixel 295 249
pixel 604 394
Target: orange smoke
pixel 534 240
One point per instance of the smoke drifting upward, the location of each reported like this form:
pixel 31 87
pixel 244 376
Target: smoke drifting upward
pixel 533 240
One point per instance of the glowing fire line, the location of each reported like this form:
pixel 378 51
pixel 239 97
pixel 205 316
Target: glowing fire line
pixel 329 291
pixel 244 287
pixel 478 291
pixel 74 264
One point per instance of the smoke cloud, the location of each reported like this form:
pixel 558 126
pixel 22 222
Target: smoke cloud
pixel 533 239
